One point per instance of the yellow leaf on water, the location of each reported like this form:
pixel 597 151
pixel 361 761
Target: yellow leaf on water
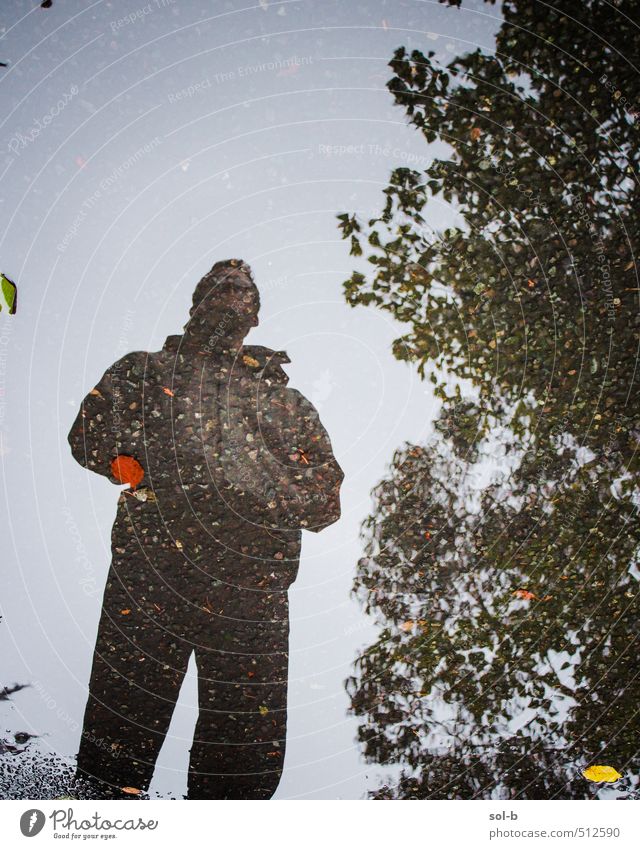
pixel 132 791
pixel 601 773
pixel 263 710
pixel 250 361
pixel 407 626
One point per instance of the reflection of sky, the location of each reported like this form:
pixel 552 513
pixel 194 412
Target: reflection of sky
pixel 115 204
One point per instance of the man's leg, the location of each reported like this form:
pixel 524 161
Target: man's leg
pixel 239 742
pixel 138 668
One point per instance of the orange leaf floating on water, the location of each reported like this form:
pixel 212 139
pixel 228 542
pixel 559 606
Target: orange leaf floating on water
pixel 127 470
pixel 125 612
pixel 132 791
pixel 407 626
pixel 525 594
pixel 167 391
pixel 597 772
pixel 250 361
pixel 475 133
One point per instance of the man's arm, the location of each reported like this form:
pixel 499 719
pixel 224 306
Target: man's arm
pixel 324 467
pixel 307 449
pixel 102 430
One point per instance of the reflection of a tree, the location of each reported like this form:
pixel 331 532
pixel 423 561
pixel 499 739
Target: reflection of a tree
pixel 508 605
pixel 473 687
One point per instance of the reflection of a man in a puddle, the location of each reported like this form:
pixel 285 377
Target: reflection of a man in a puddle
pixel 226 466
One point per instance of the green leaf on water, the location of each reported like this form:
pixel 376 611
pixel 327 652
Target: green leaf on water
pixel 9 294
